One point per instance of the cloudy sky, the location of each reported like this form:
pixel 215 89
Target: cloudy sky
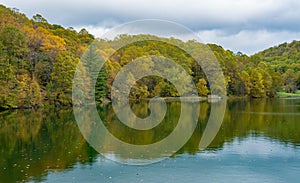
pixel 239 25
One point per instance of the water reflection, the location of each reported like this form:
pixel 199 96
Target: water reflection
pixel 36 142
pixel 140 146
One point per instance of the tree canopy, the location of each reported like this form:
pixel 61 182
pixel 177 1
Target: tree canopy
pixel 38 61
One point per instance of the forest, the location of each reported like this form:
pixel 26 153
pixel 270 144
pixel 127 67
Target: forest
pixel 38 61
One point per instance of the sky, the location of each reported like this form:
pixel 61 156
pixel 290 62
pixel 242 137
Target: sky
pixel 248 26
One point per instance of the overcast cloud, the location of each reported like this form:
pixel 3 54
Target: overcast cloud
pixel 239 25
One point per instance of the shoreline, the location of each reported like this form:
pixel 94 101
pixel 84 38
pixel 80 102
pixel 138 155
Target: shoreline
pixel 166 99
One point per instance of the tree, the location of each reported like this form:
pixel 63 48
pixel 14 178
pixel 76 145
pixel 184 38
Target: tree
pixel 39 18
pixel 290 81
pixel 13 46
pixel 298 80
pixel 244 83
pixel 257 84
pixel 92 61
pixel 62 77
pixel 52 44
pixel 7 84
pixel 81 84
pixel 202 87
pixel 28 91
pixel 34 37
pixel 138 92
pixel 85 36
pixel 43 70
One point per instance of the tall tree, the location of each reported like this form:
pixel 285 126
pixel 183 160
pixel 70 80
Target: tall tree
pixel 13 44
pixel 290 81
pixel 257 84
pixel 62 77
pixel 96 69
pixel 202 87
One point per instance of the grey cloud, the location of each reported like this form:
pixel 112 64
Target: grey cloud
pixel 248 41
pixel 234 18
pixel 195 14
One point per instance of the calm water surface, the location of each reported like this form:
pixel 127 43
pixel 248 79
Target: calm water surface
pixel 259 141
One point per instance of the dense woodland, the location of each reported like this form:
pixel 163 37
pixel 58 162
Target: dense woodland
pixel 38 61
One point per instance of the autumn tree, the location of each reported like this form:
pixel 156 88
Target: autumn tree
pixel 202 87
pixel 257 84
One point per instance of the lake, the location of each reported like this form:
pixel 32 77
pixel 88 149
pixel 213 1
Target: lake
pixel 258 141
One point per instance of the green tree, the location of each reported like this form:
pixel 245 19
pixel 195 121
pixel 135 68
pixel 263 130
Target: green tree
pixel 93 61
pixel 13 45
pixel 7 84
pixel 82 85
pixel 39 18
pixel 244 83
pixel 62 77
pixel 43 70
pixel 290 81
pixel 100 85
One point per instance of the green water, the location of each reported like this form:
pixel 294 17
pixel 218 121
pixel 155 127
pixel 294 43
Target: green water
pixel 257 142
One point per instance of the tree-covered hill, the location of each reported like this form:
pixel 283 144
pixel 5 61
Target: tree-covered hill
pixel 33 55
pixel 38 61
pixel 287 52
pixel 285 59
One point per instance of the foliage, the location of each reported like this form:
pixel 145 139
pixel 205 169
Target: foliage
pixel 284 59
pixel 38 61
pixel 202 87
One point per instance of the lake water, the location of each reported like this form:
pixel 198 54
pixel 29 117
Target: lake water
pixel 259 141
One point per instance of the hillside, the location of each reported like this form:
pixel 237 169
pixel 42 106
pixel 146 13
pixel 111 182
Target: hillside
pixel 286 52
pixel 38 62
pixel 32 55
pixel 285 59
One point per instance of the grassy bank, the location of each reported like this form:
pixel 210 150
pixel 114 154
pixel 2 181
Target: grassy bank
pixel 284 94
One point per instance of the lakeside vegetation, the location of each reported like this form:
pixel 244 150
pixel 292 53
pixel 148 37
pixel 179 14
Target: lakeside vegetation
pixel 284 94
pixel 38 61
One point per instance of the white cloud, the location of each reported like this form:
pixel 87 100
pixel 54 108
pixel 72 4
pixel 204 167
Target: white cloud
pixel 248 41
pixel 94 30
